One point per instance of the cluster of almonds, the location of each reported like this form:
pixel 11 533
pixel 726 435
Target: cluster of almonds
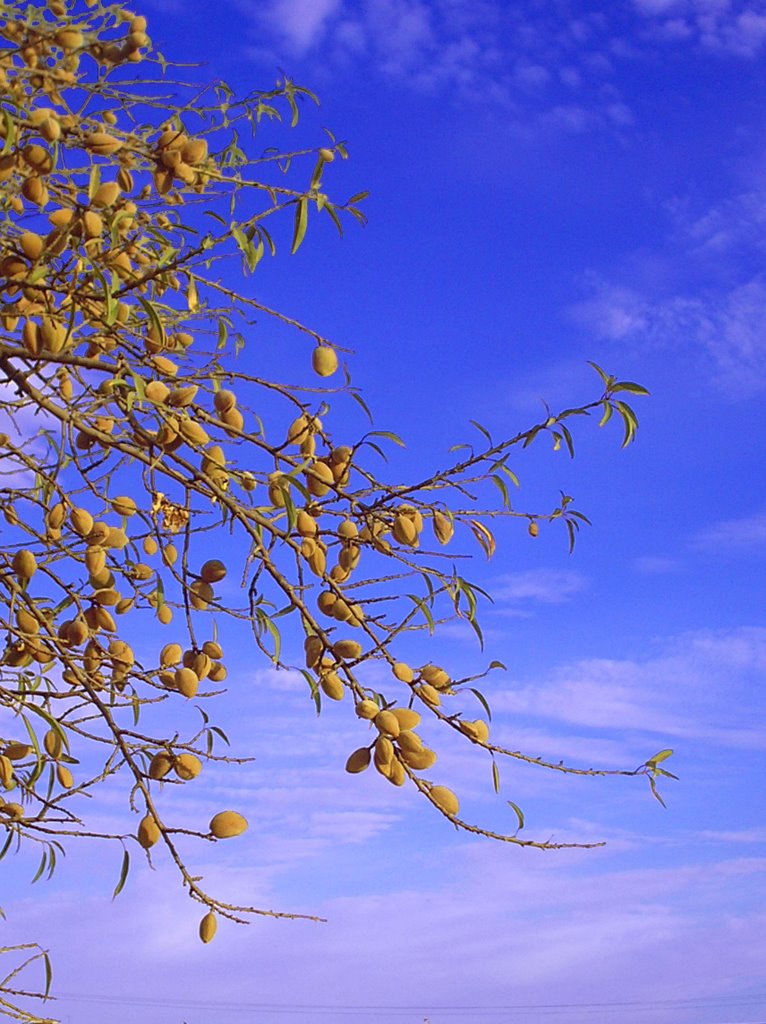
pixel 16 753
pixel 184 670
pixel 52 51
pixel 398 750
pixel 326 662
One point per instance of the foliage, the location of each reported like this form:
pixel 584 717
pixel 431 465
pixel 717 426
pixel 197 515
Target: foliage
pixel 129 201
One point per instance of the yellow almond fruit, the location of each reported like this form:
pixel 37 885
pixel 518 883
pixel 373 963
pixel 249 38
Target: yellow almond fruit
pixel 81 521
pixel 64 776
pixel 186 682
pixel 366 709
pixel 313 648
pixel 213 571
pixel 200 595
pixel 24 564
pixel 217 672
pixel 404 530
pixel 31 245
pixel 445 799
pixel 443 528
pixel 148 832
pixel 410 741
pixel 358 761
pixel 397 776
pixel 27 622
pixel 124 506
pixel 52 744
pixel 319 479
pixel 17 751
pixel 170 654
pixel 403 672
pixel 428 694
pixel 435 676
pixel 208 927
pixel 387 723
pixel 347 649
pixel 332 686
pixel 324 361
pixel 406 717
pixel 160 765
pixel 227 824
pixel 187 767
pixel 106 194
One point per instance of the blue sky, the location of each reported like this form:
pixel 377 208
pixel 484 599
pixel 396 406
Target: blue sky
pixel 550 182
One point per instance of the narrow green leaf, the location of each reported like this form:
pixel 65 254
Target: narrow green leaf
pixel 629 386
pixel 655 792
pixel 301 222
pixel 426 612
pixel 500 484
pixel 123 874
pixel 481 429
pixel 663 755
pixel 42 867
pixel 388 434
pixel 519 814
pixel 495 776
pixel 94 181
pixel 48 974
pixel 482 699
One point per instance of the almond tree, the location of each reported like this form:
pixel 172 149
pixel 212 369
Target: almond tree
pixel 133 209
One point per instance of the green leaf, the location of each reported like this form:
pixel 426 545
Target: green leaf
pixel 425 610
pixel 607 414
pixel 495 776
pixel 629 386
pixel 154 318
pixel 663 755
pixel 123 874
pixel 604 377
pixel 500 484
pixel 388 434
pixel 10 132
pixel 655 792
pixel 511 475
pixel 94 181
pixel 481 429
pixel 301 222
pixel 48 974
pixel 482 700
pixel 519 814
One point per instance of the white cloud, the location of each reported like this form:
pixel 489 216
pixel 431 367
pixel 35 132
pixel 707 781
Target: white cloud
pixel 699 687
pixel 728 327
pixel 546 586
pixel 719 26
pixel 655 565
pixel 301 23
pixel 748 532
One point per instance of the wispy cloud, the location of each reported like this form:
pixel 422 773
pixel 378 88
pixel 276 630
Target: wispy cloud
pixel 688 689
pixel 655 565
pixel 559 65
pixel 746 533
pixel 737 29
pixel 544 586
pixel 726 326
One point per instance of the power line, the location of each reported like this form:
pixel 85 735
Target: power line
pixel 548 1009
